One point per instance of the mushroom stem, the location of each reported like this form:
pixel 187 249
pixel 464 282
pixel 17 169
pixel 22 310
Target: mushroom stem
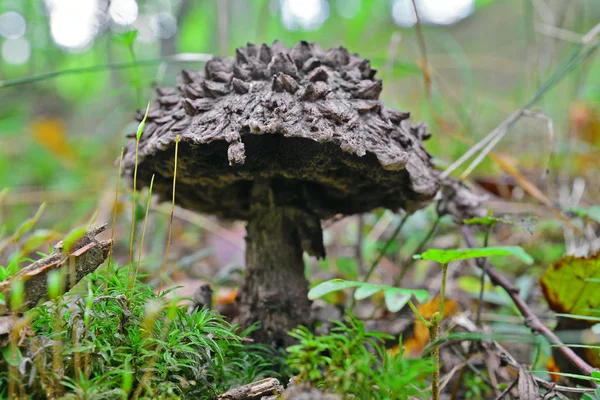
pixel 275 288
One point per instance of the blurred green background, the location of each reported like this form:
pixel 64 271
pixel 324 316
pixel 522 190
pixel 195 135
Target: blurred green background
pixel 61 134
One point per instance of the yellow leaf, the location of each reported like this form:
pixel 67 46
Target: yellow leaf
pixel 50 133
pixel 571 285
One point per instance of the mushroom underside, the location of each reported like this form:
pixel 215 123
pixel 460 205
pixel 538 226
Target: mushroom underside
pixel 318 177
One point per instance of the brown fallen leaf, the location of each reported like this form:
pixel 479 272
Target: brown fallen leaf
pixel 50 133
pixel 528 389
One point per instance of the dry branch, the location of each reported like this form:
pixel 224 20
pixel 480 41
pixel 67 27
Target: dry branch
pixel 87 254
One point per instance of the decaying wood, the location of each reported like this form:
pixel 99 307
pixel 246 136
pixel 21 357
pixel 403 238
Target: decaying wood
pixel 87 254
pixel 264 388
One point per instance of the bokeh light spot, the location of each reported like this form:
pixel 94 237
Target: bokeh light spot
pixel 16 51
pixel 12 25
pixel 123 12
pixel 306 15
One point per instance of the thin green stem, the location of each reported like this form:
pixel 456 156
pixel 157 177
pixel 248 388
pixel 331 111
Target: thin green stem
pixel 164 267
pixel 114 222
pixel 443 291
pixel 409 262
pixel 483 275
pixel 385 248
pixel 418 314
pixel 137 267
pixel 382 252
pixel 434 334
pixel 73 71
pixel 133 198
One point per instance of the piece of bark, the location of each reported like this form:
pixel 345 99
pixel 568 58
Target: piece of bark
pixel 254 391
pixel 88 253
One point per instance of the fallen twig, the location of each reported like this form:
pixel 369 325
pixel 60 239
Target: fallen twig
pixel 88 254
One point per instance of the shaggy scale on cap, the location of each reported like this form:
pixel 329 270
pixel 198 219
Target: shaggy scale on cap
pixel 306 118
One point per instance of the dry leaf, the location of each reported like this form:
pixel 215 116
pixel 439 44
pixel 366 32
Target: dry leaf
pixel 552 367
pixel 414 345
pixel 226 296
pixel 527 387
pixel 50 133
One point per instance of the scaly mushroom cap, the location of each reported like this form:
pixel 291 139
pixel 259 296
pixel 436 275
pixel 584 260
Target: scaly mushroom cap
pixel 307 119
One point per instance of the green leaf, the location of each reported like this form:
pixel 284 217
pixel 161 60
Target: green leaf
pixel 126 38
pixel 447 256
pixel 395 300
pixel 332 285
pixel 27 225
pixel 37 238
pixel 12 355
pixel 366 290
pixel 142 124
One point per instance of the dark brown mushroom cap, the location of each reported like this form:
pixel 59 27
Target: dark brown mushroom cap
pixel 307 119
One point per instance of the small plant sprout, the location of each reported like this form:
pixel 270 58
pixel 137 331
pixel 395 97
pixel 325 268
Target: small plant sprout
pixel 114 222
pixel 445 257
pixel 22 229
pixel 137 266
pixel 17 293
pixel 138 135
pixel 164 267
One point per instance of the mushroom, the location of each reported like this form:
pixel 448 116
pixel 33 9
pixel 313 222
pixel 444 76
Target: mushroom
pixel 282 138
